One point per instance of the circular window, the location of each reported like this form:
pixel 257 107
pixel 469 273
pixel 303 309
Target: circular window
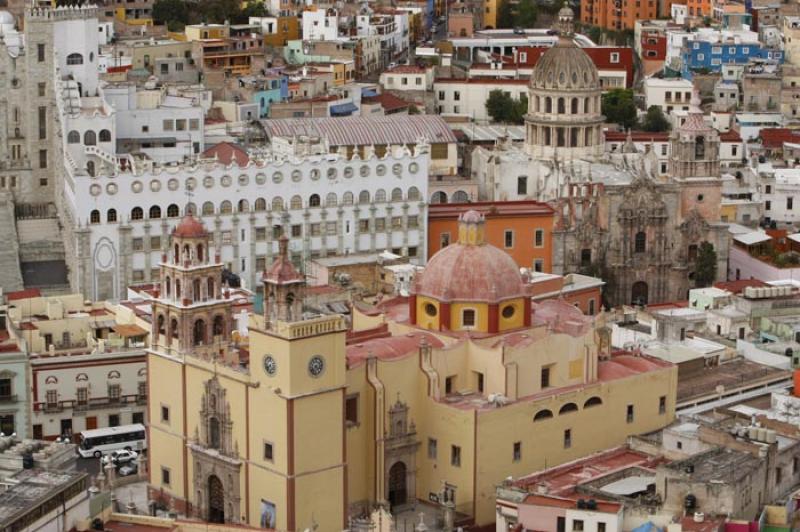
pixel 136 186
pixel 111 188
pixel 243 180
pixel 364 171
pixel 315 174
pixel 381 170
pixel 348 172
pixel 155 185
pixel 700 197
pixel 277 177
pixel 173 184
pixel 226 181
pixel 297 175
pixel 95 190
pixel 508 311
pixel 191 183
pixel 331 173
pixel 208 181
pixel 397 169
pixel 270 366
pixel 430 309
pixel 261 179
pixel 316 366
pixel 413 168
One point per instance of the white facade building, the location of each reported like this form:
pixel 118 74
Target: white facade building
pixel 668 94
pixel 326 204
pixel 320 25
pixel 407 78
pixel 467 97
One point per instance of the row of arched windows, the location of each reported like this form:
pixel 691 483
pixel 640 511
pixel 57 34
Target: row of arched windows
pixel 199 329
pixel 548 104
pixel 89 137
pixel 260 204
pixel 200 291
pixel 567 408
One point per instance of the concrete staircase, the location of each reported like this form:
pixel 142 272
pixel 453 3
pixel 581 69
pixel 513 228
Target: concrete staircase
pixel 10 272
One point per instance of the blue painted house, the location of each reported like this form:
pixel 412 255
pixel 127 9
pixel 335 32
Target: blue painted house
pixel 712 55
pixel 274 88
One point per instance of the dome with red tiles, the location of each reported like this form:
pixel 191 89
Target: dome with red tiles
pixel 471 269
pixel 190 227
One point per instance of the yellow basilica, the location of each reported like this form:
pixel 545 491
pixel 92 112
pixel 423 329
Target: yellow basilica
pixel 434 398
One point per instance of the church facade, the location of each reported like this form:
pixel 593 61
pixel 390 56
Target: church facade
pixel 437 397
pixel 619 216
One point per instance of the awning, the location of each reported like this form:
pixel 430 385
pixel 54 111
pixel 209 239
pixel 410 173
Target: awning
pixel 343 109
pixel 749 239
pixel 127 331
pixel 368 93
pixel 103 324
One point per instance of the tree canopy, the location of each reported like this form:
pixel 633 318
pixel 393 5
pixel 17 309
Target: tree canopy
pixel 705 271
pixel 655 121
pixel 178 13
pixel 503 108
pixel 618 107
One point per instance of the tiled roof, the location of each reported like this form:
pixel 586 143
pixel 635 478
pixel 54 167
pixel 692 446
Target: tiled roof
pixel 774 137
pixel 226 152
pixel 387 100
pixel 23 294
pixel 359 130
pixel 405 69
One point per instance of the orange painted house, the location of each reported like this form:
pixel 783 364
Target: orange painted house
pixel 523 229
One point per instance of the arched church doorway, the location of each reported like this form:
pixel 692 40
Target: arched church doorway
pixel 216 500
pixel 639 293
pixel 397 485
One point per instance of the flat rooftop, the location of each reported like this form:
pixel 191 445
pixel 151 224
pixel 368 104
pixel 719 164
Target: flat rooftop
pixel 717 465
pixel 33 487
pixel 738 373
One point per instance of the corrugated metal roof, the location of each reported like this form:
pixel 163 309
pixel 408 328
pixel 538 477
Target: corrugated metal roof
pixel 358 130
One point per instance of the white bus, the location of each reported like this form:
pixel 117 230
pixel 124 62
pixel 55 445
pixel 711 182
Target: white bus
pixel 98 442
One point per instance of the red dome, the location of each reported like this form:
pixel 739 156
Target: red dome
pixel 462 272
pixel 190 227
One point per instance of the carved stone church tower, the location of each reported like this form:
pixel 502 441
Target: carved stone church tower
pixel 695 146
pixel 191 311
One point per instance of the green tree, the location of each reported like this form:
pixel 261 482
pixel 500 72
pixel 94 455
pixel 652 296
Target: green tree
pixel 173 13
pixel 705 271
pixel 655 121
pixel 505 15
pixel 252 9
pixel 618 107
pixel 527 12
pixel 505 109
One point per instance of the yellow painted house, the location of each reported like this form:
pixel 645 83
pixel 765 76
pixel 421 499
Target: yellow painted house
pixel 437 397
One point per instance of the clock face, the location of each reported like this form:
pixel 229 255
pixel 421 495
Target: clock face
pixel 270 366
pixel 316 366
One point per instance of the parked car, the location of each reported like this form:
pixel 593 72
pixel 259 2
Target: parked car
pixel 120 457
pixel 131 468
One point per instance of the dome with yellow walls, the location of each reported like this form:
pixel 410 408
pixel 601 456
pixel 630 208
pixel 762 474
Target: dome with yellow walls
pixel 470 286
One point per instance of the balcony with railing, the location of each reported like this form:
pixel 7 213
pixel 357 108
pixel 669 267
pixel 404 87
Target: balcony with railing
pixel 94 403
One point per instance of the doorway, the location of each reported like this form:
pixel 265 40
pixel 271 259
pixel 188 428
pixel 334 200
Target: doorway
pixel 639 293
pixel 216 500
pixel 397 485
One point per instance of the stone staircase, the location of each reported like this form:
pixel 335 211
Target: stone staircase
pixel 10 272
pixel 42 254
